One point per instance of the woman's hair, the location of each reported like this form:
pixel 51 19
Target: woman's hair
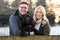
pixel 43 12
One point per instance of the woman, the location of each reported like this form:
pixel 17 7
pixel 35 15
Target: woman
pixel 41 22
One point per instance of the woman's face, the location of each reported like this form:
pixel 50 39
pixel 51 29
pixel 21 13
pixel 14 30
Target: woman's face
pixel 38 14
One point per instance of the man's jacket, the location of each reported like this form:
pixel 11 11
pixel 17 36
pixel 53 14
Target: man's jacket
pixel 15 24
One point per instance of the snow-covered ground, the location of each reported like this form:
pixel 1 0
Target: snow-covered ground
pixel 55 30
pixel 4 31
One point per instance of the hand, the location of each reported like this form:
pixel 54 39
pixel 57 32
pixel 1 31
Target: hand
pixel 43 23
pixel 32 33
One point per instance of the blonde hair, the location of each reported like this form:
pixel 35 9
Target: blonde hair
pixel 43 12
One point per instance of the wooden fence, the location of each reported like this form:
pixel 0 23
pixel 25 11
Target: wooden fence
pixel 30 38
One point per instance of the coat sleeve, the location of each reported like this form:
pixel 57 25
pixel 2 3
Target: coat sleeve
pixel 47 29
pixel 14 28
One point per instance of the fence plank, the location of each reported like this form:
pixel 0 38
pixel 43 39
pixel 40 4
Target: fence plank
pixel 26 38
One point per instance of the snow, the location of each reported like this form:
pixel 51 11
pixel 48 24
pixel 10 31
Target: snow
pixel 4 31
pixel 55 30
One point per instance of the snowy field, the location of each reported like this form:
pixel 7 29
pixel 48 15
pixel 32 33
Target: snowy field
pixel 4 31
pixel 55 30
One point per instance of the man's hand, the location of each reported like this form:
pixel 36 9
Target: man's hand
pixel 32 33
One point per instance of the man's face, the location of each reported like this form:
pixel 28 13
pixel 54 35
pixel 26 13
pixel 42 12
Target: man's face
pixel 23 8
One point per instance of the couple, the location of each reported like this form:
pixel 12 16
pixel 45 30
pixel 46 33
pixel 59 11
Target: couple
pixel 22 23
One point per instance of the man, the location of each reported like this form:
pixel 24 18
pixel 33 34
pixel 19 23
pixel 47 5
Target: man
pixel 21 21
